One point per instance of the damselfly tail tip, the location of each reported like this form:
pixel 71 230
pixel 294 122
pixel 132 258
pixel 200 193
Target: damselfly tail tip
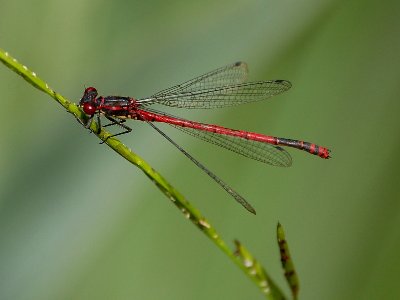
pixel 324 153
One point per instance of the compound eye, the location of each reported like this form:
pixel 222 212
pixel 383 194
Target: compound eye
pixel 89 95
pixel 89 109
pixel 91 90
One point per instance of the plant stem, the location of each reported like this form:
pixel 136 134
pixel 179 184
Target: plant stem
pixel 188 210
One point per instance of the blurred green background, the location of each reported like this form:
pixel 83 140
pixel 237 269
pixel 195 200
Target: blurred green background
pixel 79 222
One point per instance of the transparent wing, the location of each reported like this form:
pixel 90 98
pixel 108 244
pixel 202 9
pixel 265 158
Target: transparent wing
pixel 220 96
pixel 229 75
pixel 218 180
pixel 263 152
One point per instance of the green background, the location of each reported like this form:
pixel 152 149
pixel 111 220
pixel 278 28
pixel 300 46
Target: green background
pixel 79 222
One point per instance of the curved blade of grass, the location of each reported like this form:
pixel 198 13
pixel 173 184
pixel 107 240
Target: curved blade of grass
pixel 256 270
pixel 287 262
pixel 188 210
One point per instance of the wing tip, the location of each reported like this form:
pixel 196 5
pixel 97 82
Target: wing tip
pixel 284 82
pixel 241 64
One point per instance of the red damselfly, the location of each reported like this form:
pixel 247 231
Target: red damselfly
pixel 222 87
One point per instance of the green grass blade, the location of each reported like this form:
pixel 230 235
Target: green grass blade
pixel 257 271
pixel 189 211
pixel 287 262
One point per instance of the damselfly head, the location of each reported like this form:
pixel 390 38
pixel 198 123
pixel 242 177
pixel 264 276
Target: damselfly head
pixel 89 108
pixel 89 95
pixel 88 101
